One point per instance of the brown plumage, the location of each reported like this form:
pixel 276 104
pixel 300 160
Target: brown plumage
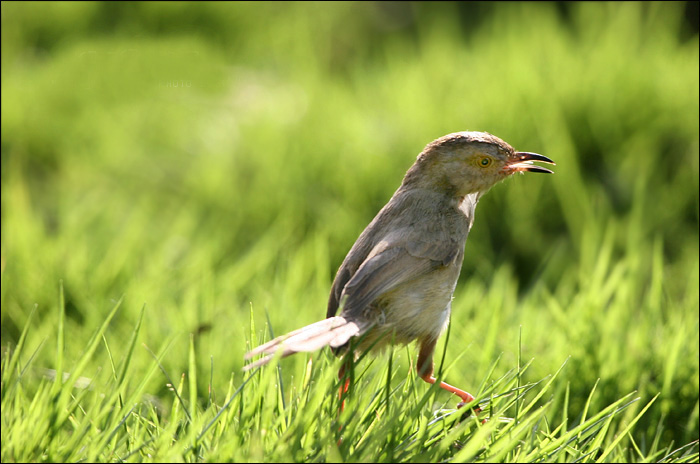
pixel 397 281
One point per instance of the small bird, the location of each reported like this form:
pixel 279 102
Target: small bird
pixel 396 283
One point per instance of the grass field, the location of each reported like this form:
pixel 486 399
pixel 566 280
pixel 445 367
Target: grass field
pixel 181 181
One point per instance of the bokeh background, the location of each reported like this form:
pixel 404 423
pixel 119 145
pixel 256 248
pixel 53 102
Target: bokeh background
pixel 212 159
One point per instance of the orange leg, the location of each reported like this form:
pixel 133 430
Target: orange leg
pixel 343 391
pixel 344 387
pixel 425 371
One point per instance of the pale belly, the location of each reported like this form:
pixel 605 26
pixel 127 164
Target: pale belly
pixel 418 310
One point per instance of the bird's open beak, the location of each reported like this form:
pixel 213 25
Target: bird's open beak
pixel 522 161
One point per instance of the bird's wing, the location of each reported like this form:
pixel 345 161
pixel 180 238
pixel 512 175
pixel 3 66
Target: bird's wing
pixel 392 267
pixel 415 246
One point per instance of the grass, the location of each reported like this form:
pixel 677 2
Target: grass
pixel 391 422
pixel 179 183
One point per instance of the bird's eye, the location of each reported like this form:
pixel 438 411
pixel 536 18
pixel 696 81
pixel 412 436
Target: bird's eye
pixel 485 162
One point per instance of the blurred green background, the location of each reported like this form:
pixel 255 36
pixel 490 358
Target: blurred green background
pixel 207 158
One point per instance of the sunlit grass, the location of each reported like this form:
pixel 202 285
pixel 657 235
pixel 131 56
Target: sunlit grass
pixel 152 233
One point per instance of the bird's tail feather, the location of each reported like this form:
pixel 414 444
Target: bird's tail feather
pixel 333 332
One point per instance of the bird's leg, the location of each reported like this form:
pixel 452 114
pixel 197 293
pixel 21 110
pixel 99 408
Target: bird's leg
pixel 345 386
pixel 425 372
pixel 344 371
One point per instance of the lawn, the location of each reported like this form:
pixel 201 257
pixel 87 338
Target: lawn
pixel 180 181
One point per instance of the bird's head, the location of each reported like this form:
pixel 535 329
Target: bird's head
pixel 469 162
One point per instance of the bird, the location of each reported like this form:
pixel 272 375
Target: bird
pixel 396 284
